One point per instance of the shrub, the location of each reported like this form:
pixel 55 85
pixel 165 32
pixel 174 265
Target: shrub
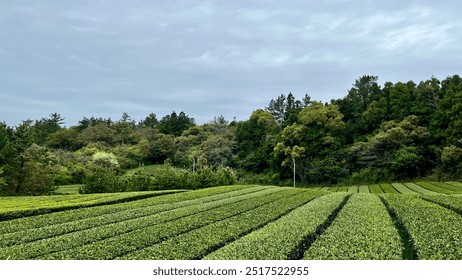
pixel 451 157
pixel 100 180
pixel 370 175
pixel 137 182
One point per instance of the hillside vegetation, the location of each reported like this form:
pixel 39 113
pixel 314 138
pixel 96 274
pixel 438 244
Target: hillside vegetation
pixel 402 131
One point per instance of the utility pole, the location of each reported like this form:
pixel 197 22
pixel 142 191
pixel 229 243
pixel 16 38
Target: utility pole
pixel 293 160
pixel 194 165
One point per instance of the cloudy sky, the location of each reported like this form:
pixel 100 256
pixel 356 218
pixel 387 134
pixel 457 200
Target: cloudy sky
pixel 209 58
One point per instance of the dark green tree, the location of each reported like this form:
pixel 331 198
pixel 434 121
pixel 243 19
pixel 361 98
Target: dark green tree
pixel 446 124
pixel 46 126
pixel 174 124
pixel 285 110
pixel 125 131
pixel 400 99
pixel 149 122
pixel 99 133
pixel 255 141
pixel 426 100
pixel 65 138
pixel 313 138
pixel 365 90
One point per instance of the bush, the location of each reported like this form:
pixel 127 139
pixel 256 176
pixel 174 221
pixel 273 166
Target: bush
pixel 62 176
pixel 369 176
pixel 327 170
pixel 99 180
pixel 266 178
pixel 407 163
pixel 451 157
pixel 137 182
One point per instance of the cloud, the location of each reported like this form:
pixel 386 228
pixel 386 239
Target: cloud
pixel 212 57
pixel 417 37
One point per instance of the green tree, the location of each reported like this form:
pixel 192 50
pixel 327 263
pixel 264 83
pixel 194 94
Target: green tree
pixel 162 148
pixel 365 90
pixel 216 151
pixel 124 131
pixel 174 124
pixel 255 140
pixel 451 158
pixel 285 110
pixel 314 136
pixel 65 138
pixel 447 121
pixel 8 157
pixel 100 133
pixel 425 102
pixel 374 115
pixel 105 160
pixel 88 122
pixel 400 99
pixel 150 121
pixel 37 172
pixel 398 147
pixel 47 126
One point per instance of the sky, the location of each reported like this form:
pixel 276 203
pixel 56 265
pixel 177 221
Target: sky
pixel 102 58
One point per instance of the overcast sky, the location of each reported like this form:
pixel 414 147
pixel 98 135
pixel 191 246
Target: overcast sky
pixel 208 58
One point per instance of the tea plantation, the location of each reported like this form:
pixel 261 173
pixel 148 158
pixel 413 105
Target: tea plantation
pixel 419 220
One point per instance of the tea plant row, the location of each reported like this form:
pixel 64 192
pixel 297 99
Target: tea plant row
pixel 131 214
pixel 198 243
pixel 93 234
pixel 252 222
pixel 18 207
pixel 363 229
pixel 286 237
pixel 138 239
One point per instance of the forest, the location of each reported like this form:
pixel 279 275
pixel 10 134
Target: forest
pixel 376 133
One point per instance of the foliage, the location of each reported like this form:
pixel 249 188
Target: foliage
pixel 362 230
pixel 447 120
pixel 369 175
pixel 376 133
pixel 435 231
pixel 195 244
pixel 140 225
pixel 255 140
pixel 241 222
pixel 312 139
pixel 105 160
pixel 100 180
pixel 175 124
pixel 392 153
pixel 284 238
pixel 19 207
pixel 451 158
pixel 285 110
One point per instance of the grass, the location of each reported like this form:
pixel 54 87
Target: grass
pixel 68 189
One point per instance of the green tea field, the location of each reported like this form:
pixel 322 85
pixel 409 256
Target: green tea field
pixel 396 221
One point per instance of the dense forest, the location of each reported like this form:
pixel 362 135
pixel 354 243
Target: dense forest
pixel 398 131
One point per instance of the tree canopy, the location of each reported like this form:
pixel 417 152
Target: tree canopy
pixel 376 133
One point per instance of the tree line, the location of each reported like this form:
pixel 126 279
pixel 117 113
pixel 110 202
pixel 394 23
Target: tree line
pixel 398 131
